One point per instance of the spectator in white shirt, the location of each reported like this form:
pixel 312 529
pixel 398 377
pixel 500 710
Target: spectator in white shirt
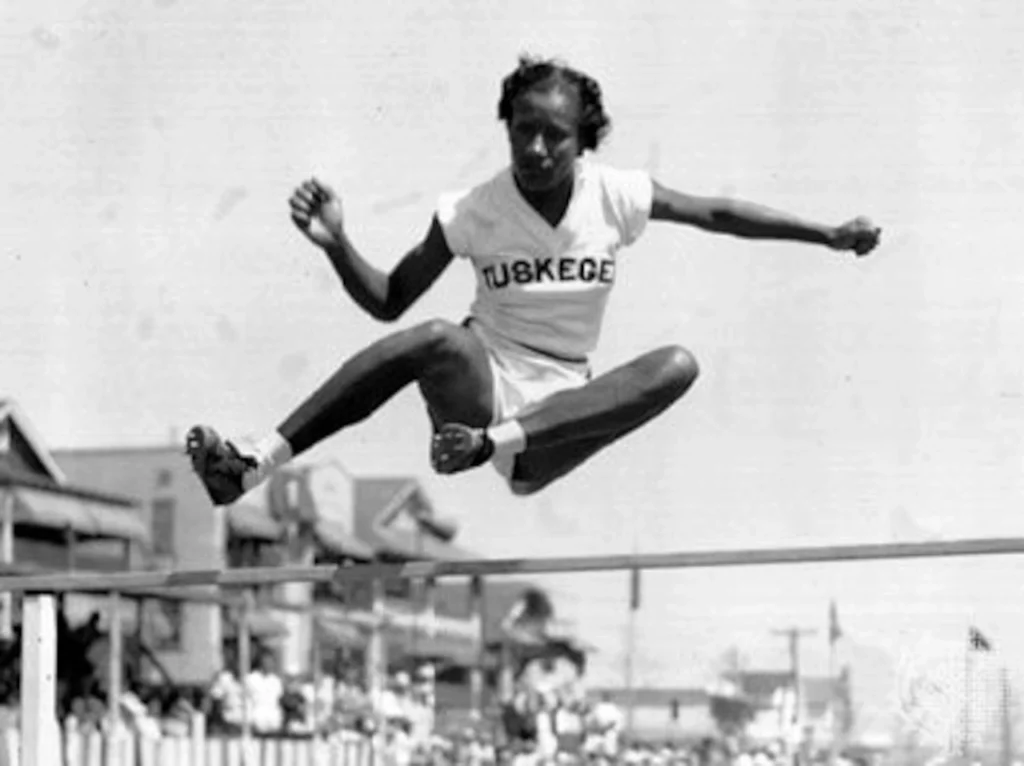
pixel 424 699
pixel 393 701
pixel 606 721
pixel 226 693
pixel 264 689
pixel 323 700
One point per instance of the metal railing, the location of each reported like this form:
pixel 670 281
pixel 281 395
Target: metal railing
pixel 40 742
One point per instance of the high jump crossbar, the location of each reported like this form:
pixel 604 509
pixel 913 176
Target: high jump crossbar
pixel 121 582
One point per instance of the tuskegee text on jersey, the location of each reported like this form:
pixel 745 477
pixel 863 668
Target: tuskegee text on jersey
pixel 538 270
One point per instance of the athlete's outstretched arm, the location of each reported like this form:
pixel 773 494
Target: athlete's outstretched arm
pixel 316 210
pixel 386 296
pixel 745 219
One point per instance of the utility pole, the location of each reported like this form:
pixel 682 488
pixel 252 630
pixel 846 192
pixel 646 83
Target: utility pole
pixel 794 635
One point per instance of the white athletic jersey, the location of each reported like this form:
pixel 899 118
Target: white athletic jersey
pixel 543 287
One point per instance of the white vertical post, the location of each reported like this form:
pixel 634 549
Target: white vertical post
pixel 376 657
pixel 115 682
pixel 244 666
pixel 430 612
pixel 72 745
pixel 40 737
pixel 376 661
pixel 92 747
pixel 233 754
pixel 197 740
pixel 317 661
pixel 115 667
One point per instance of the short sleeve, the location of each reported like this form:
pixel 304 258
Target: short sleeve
pixel 452 209
pixel 631 194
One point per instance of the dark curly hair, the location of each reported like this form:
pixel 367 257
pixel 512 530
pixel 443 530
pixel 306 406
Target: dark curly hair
pixel 533 71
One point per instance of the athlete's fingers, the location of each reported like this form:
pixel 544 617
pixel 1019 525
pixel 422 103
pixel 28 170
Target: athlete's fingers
pixel 301 200
pixel 298 211
pixel 305 195
pixel 866 243
pixel 300 208
pixel 311 191
pixel 322 189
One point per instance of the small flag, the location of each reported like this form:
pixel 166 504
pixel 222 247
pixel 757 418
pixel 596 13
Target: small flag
pixel 834 631
pixel 978 641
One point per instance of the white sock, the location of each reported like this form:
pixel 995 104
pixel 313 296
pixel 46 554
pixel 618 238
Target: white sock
pixel 508 437
pixel 272 451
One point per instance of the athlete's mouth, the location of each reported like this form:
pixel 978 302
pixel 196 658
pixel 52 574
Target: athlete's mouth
pixel 535 171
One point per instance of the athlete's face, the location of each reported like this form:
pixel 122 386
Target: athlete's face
pixel 544 136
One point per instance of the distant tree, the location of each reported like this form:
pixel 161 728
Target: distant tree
pixel 731 714
pixel 75 672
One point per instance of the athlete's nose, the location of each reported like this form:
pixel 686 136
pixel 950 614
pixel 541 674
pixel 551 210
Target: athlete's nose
pixel 536 147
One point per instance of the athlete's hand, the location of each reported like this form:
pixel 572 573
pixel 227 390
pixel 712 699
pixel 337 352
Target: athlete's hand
pixel 316 211
pixel 859 235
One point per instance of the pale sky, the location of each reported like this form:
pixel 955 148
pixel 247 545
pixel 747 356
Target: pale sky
pixel 150 277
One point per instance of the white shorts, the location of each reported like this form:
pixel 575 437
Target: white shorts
pixel 523 378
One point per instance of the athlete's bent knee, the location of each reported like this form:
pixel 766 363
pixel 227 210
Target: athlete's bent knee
pixel 677 371
pixel 439 338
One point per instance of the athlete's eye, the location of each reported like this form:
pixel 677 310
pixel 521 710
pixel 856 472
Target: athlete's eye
pixel 554 136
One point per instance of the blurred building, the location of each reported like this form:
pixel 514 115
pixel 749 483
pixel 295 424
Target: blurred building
pixel 814 712
pixel 52 522
pixel 304 515
pixel 106 509
pixel 763 701
pixel 186 532
pixel 663 714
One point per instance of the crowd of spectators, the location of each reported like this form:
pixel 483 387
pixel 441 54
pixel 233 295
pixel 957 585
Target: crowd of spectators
pixel 401 713
pixel 549 719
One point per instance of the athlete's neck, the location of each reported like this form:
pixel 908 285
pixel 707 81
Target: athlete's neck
pixel 552 203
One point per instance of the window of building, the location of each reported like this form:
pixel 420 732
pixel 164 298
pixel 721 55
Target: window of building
pixel 398 589
pixel 162 526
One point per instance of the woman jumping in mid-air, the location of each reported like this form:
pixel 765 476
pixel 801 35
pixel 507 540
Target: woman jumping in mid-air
pixel 512 383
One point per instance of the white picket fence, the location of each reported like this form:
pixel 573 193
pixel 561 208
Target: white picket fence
pixel 123 748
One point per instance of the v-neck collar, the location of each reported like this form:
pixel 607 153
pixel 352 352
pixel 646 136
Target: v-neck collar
pixel 533 213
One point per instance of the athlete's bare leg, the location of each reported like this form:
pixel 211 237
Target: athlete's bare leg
pixel 571 426
pixel 567 428
pixel 448 362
